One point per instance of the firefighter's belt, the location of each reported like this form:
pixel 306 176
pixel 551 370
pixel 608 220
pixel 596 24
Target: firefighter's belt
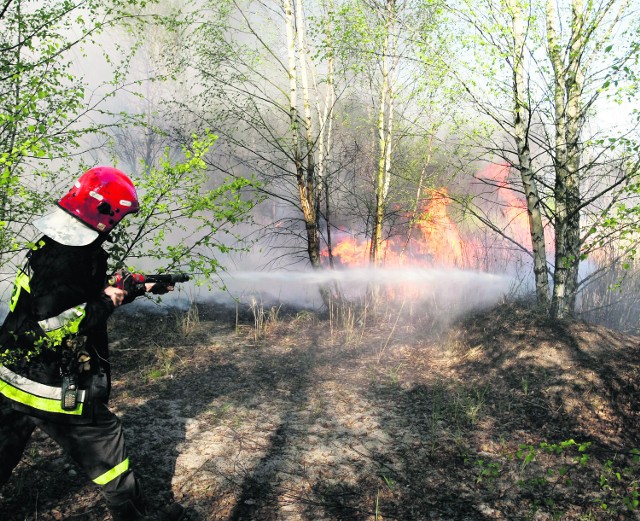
pixel 34 394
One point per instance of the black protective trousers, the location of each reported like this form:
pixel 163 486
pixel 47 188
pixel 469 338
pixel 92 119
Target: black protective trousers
pixel 97 447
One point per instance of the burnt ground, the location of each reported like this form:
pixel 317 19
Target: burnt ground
pixel 268 415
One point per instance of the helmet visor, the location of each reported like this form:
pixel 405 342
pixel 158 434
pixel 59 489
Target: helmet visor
pixel 64 228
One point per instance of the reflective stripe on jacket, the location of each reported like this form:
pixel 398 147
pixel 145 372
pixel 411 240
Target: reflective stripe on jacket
pixel 56 328
pixel 38 396
pixel 65 324
pixel 21 283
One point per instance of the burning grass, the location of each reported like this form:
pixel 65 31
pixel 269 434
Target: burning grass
pixel 364 414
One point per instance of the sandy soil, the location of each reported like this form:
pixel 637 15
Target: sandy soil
pixel 379 416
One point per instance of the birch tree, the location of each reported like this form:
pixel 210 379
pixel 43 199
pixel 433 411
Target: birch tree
pixel 521 126
pixel 388 67
pixel 302 139
pixel 272 108
pixel 573 176
pixel 573 61
pixel 397 93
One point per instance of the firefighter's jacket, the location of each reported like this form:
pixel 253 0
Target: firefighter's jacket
pixel 58 295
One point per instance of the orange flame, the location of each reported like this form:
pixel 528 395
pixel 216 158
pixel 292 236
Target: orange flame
pixel 438 238
pixel 512 207
pixel 351 252
pixel 435 239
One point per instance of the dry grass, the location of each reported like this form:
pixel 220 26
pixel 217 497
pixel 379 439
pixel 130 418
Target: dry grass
pixel 365 413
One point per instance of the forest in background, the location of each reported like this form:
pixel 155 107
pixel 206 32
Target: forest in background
pixel 481 136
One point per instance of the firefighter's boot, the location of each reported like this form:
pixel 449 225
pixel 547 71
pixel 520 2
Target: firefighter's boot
pixel 130 510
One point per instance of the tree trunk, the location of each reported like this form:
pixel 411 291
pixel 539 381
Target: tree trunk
pixel 384 143
pixel 305 173
pixel 559 304
pixel 521 134
pixel 568 82
pixel 575 83
pixel 325 136
pixel 305 195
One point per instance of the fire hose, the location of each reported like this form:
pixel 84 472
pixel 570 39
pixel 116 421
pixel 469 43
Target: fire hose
pixel 133 282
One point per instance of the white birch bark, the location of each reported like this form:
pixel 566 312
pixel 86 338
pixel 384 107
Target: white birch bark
pixel 521 134
pixel 304 191
pixel 561 272
pixel 375 253
pixel 586 35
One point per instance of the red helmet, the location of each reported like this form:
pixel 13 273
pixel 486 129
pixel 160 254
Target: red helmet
pixel 101 198
pixel 98 201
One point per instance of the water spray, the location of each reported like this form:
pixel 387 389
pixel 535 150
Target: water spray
pixel 371 276
pixel 462 289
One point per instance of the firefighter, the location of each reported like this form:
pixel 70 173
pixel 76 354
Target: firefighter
pixel 55 372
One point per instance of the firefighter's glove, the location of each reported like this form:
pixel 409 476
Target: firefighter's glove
pixel 160 288
pixel 128 283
